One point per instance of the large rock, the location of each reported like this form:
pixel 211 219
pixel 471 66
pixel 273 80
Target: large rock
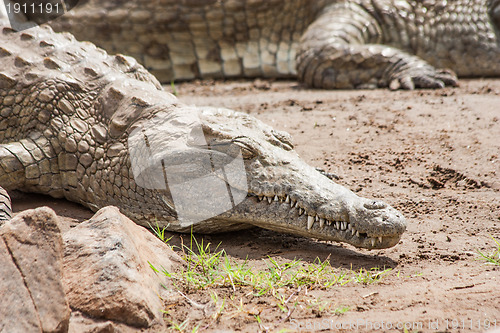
pixel 107 273
pixel 17 312
pixel 33 298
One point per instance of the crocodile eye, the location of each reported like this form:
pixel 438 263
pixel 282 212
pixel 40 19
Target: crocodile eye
pixel 247 151
pixel 282 139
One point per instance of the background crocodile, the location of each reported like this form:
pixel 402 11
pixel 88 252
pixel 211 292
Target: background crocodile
pixel 67 111
pixel 325 43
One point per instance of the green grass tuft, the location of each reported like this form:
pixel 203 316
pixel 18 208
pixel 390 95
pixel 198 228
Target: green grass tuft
pixel 286 284
pixel 493 257
pixel 213 268
pixel 160 232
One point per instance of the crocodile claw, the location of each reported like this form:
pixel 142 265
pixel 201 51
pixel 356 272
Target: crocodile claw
pixel 427 78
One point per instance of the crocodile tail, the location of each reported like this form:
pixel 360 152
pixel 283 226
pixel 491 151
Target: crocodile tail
pixel 5 206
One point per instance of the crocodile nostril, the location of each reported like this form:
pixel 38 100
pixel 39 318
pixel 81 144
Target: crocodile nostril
pixel 375 205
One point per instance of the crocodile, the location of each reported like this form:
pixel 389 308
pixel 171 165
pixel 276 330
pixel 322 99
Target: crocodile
pixel 324 43
pixel 69 113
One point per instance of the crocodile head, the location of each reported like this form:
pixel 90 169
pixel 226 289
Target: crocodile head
pixel 239 163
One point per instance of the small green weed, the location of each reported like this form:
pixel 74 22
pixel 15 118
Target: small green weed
pixel 341 310
pixel 160 232
pixel 174 90
pixel 494 257
pixel 179 327
pixel 220 309
pixel 373 275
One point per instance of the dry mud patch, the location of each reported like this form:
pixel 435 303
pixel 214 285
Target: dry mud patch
pixel 434 155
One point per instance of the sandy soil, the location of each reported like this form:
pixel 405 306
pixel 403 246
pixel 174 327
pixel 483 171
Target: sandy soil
pixel 434 155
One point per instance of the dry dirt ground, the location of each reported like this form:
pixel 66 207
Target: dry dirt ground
pixel 434 155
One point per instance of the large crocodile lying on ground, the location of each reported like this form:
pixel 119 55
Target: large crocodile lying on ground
pixel 326 43
pixel 69 115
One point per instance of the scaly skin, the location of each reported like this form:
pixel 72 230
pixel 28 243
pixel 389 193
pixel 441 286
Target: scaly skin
pixel 5 206
pixel 69 110
pixel 325 43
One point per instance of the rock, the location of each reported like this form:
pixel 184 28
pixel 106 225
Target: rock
pixel 78 323
pixel 107 273
pixel 16 301
pixel 33 298
pixel 104 275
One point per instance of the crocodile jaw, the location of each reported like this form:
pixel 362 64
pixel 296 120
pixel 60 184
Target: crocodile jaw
pixel 325 211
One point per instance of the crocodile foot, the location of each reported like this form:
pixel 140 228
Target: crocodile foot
pixel 426 77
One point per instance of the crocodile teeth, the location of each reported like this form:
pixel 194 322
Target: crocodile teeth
pixel 357 233
pixel 337 225
pixel 310 221
pixel 316 218
pixel 353 232
pixel 380 239
pixel 269 199
pixel 301 211
pixel 275 198
pixel 373 241
pixel 287 200
pixel 321 223
pixel 261 198
pixel 328 222
pixel 349 226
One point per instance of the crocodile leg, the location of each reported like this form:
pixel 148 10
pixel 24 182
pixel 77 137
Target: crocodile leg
pixel 344 49
pixel 30 165
pixel 12 169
